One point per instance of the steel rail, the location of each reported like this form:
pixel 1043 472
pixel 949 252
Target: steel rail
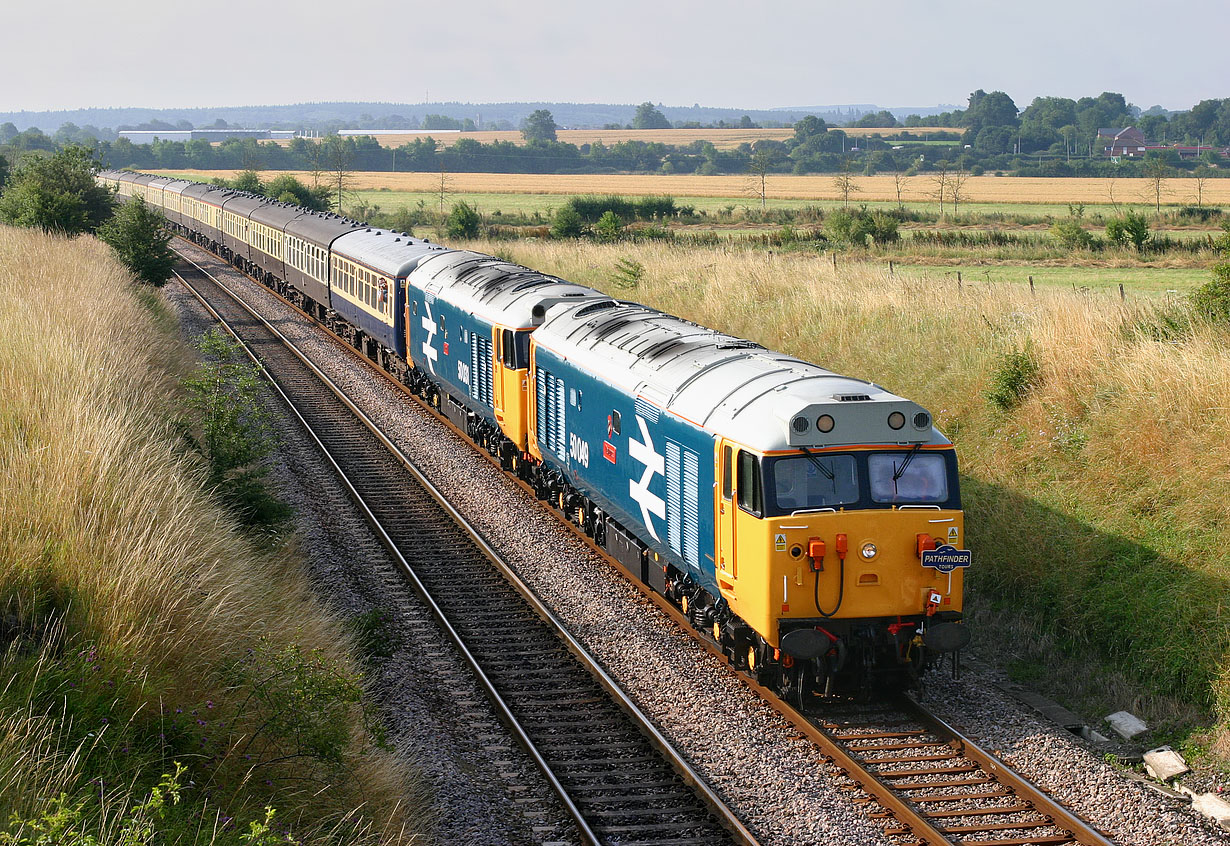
pixel 724 815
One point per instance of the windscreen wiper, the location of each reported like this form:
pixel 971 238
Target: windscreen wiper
pixel 828 474
pixel 900 471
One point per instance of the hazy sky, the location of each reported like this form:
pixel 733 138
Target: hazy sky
pixel 74 53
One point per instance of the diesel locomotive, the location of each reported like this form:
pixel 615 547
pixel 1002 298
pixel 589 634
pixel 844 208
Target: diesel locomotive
pixel 809 523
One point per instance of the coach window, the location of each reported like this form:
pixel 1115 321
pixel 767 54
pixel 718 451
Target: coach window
pixel 727 475
pixel 615 423
pixel 751 493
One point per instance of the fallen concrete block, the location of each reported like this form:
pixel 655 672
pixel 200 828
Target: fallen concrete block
pixel 1126 725
pixel 1212 805
pixel 1093 735
pixel 1163 763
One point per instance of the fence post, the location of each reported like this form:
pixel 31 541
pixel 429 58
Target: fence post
pixel 960 287
pixel 1031 286
pixel 834 259
pixel 1122 296
pixel 890 267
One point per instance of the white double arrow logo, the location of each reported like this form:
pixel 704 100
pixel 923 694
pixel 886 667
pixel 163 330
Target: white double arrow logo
pixel 644 452
pixel 429 351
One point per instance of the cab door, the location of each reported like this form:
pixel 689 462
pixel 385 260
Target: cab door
pixel 500 337
pixel 726 559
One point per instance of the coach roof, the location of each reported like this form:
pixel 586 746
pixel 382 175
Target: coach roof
pixel 393 253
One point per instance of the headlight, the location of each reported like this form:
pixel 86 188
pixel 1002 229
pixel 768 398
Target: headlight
pixel 824 423
pixel 868 551
pixel 922 420
pixel 896 420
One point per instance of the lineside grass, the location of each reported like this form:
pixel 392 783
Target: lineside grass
pixel 140 630
pixel 1096 502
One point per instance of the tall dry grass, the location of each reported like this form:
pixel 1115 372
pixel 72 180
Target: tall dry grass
pixel 1097 506
pixel 112 557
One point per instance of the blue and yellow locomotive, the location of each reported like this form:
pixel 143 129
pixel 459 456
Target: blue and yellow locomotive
pixel 807 522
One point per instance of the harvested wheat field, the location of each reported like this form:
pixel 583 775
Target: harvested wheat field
pixel 916 189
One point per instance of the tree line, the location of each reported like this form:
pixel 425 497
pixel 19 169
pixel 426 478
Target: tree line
pixel 1053 136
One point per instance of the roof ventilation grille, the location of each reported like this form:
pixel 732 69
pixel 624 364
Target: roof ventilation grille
pixel 852 397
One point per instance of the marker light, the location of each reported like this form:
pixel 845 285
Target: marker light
pixel 824 423
pixel 868 551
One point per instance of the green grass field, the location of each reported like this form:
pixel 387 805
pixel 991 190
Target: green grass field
pixel 546 204
pixel 1153 281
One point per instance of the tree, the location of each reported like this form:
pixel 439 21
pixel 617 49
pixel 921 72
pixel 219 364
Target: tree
pixel 1200 177
pixel 57 193
pixel 285 188
pixel 540 126
pixel 248 180
pixel 956 182
pixel 463 221
pixel 648 117
pixel 339 159
pixel 759 166
pixel 845 184
pixel 940 180
pixel 900 180
pixel 4 172
pixel 1156 172
pixel 140 241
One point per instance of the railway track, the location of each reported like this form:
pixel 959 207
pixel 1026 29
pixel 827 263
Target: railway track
pixel 939 785
pixel 615 775
pixel 933 784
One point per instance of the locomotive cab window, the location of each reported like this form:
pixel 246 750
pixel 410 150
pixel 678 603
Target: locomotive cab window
pixel 508 348
pixel 908 477
pixel 727 473
pixel 812 481
pixel 748 482
pixel 615 422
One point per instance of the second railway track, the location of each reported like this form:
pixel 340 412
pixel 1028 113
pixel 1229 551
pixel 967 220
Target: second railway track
pixel 616 775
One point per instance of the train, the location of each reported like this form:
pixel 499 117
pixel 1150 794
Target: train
pixel 809 524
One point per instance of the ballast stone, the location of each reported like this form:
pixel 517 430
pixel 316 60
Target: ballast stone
pixel 1127 725
pixel 1163 763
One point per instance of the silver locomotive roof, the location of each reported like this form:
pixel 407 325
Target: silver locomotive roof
pixel 762 399
pixel 495 290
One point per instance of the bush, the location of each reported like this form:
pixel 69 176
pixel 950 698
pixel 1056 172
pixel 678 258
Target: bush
pixel 137 235
pixel 232 429
pixel 609 227
pixel 463 221
pixel 1211 300
pixel 1071 234
pixel 1016 372
pixel 1132 228
pixel 567 223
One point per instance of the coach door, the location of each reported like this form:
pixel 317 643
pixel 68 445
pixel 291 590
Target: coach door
pixel 726 508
